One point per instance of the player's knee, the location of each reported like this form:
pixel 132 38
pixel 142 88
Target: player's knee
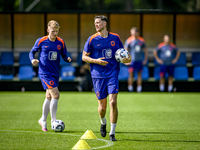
pixel 102 109
pixel 48 96
pixel 113 104
pixel 56 95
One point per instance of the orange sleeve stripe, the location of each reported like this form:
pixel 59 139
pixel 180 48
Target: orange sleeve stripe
pixel 93 36
pixel 161 45
pixel 42 39
pixel 141 39
pixel 114 34
pixel 173 45
pixel 61 40
pixel 130 39
pixel 49 87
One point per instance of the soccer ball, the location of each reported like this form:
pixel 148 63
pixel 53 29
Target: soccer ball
pixel 58 126
pixel 120 54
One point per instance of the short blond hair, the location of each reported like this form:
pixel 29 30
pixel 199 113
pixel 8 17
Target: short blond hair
pixel 53 24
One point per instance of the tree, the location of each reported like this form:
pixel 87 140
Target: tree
pixel 103 5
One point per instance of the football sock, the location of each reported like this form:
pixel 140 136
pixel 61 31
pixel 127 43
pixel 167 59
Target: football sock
pixel 112 130
pixel 139 88
pixel 53 109
pixel 162 87
pixel 170 87
pixel 45 109
pixel 130 88
pixel 103 121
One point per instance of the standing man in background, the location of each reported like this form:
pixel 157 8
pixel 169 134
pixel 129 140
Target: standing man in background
pixel 169 55
pixel 136 46
pixel 99 51
pixel 51 47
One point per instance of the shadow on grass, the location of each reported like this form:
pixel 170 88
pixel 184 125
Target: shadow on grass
pixel 182 141
pixel 149 133
pixel 72 132
pixel 154 133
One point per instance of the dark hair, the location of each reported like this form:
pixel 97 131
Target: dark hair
pixel 167 35
pixel 135 29
pixel 102 17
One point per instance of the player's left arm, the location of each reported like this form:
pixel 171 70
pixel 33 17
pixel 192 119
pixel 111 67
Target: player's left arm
pixel 125 60
pixel 145 56
pixel 64 55
pixel 176 58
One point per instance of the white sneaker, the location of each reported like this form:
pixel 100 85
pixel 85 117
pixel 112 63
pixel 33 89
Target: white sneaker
pixel 43 125
pixel 139 89
pixel 130 88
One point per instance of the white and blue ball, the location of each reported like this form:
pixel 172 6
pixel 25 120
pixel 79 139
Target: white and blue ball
pixel 58 126
pixel 120 54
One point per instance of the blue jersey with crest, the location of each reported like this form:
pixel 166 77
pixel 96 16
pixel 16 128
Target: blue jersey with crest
pixel 99 47
pixel 166 52
pixel 49 56
pixel 135 46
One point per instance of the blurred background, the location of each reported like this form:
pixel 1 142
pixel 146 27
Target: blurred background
pixel 23 21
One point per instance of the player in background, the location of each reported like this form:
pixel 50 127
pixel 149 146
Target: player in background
pixel 169 55
pixel 50 47
pixel 136 46
pixel 99 51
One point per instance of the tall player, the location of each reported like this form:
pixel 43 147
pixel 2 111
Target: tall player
pixel 99 51
pixel 51 47
pixel 169 55
pixel 136 45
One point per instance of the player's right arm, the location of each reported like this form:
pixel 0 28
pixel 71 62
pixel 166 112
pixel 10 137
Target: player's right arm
pixel 88 59
pixel 157 58
pixel 35 49
pixel 86 55
pixel 155 53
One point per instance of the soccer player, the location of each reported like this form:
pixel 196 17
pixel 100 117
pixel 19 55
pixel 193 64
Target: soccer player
pixel 136 45
pixel 51 47
pixel 169 55
pixel 99 51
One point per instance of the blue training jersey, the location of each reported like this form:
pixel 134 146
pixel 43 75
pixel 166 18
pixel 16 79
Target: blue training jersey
pixel 49 56
pixel 135 46
pixel 166 52
pixel 99 47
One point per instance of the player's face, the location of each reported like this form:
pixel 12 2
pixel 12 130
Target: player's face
pixel 166 39
pixel 53 32
pixel 99 24
pixel 134 33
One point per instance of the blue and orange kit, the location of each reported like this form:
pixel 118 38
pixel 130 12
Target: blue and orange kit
pixel 135 47
pixel 167 52
pixel 99 47
pixel 49 55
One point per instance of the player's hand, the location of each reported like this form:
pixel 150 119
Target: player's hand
pixel 174 61
pixel 126 60
pixel 69 59
pixel 159 61
pixel 144 62
pixel 100 61
pixel 35 62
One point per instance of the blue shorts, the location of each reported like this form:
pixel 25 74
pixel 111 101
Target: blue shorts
pixel 105 86
pixel 166 69
pixel 135 67
pixel 49 81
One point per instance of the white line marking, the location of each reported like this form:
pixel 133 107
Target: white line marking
pixel 109 143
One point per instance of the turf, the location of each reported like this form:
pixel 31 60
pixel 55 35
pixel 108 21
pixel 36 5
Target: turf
pixel 146 121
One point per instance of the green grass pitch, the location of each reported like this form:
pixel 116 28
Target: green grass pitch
pixel 146 121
